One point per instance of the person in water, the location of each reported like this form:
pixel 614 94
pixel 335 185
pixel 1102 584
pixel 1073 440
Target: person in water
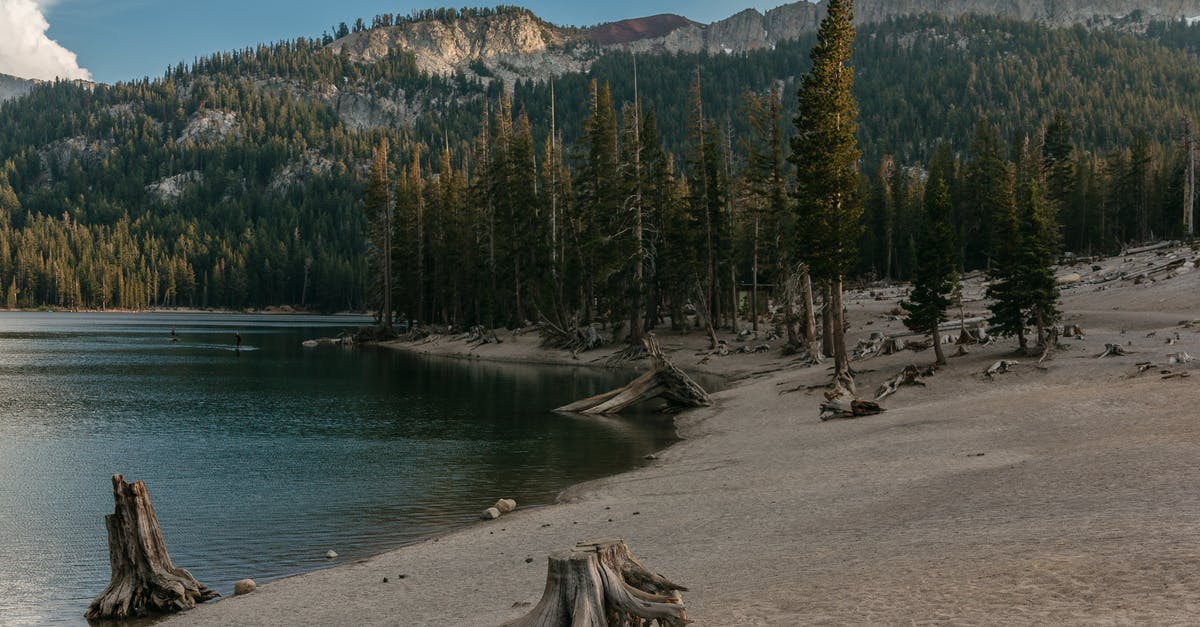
pixel 238 338
pixel 174 338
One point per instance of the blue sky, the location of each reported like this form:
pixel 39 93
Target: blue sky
pixel 126 39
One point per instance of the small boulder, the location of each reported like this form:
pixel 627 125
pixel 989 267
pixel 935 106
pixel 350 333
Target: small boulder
pixel 490 513
pixel 1070 279
pixel 244 586
pixel 505 505
pixel 331 554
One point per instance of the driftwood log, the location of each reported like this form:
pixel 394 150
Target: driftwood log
pixel 144 581
pixel 1001 367
pixel 911 375
pixel 841 403
pixel 600 583
pixel 1112 350
pixel 663 380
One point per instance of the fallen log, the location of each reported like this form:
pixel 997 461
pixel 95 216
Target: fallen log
pixel 601 583
pixel 144 581
pixel 1001 367
pixel 1146 249
pixel 1112 350
pixel 663 380
pixel 846 407
pixel 911 375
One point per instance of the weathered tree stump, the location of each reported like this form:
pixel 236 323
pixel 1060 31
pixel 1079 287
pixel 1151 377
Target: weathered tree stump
pixel 144 581
pixel 600 583
pixel 911 375
pixel 663 380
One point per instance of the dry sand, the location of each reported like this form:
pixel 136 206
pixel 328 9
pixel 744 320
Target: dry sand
pixel 1063 495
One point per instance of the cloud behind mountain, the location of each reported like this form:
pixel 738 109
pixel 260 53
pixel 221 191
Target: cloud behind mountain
pixel 26 49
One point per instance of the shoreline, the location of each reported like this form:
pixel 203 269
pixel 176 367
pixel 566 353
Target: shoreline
pixel 1030 498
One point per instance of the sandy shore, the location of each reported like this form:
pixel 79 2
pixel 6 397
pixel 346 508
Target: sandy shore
pixel 1065 494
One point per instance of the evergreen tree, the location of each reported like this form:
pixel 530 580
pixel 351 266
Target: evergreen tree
pixel 934 274
pixel 825 153
pixel 378 206
pixel 1036 261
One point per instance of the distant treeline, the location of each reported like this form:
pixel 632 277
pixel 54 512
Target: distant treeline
pixel 272 213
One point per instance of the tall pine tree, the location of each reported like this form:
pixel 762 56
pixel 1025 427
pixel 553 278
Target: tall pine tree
pixel 934 274
pixel 825 153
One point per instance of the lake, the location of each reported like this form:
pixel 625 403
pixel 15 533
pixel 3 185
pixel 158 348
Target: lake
pixel 260 461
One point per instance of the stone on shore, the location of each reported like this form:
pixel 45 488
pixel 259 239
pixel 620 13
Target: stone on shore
pixel 505 505
pixel 490 513
pixel 244 586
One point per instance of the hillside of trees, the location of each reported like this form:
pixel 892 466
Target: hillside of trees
pixel 487 201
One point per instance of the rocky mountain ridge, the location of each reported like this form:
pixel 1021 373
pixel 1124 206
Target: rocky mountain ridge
pixel 516 44
pixel 14 87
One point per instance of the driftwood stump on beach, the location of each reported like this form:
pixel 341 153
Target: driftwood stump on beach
pixel 663 380
pixel 144 581
pixel 601 583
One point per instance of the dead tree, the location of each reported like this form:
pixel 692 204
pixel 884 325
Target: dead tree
pixel 601 583
pixel 663 380
pixel 144 581
pixel 911 375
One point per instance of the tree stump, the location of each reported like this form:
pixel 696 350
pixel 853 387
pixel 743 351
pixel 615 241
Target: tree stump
pixel 664 380
pixel 600 583
pixel 144 581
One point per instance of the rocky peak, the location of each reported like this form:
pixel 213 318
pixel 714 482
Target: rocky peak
pixel 447 46
pixel 14 87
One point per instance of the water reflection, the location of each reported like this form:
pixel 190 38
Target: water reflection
pixel 260 461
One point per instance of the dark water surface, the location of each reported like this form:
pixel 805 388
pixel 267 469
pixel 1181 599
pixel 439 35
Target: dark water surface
pixel 259 462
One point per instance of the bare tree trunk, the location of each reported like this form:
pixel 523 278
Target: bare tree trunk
pixel 754 284
pixel 810 316
pixel 937 345
pixel 827 348
pixel 144 581
pixel 841 356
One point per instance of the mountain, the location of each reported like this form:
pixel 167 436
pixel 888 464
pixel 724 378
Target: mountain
pixel 14 87
pixel 514 44
pixel 238 181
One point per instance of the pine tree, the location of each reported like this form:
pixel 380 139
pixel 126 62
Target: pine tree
pixel 934 274
pixel 378 206
pixel 1038 238
pixel 825 153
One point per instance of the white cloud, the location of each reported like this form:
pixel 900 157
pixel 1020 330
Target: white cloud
pixel 26 50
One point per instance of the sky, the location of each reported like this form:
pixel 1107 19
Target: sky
pixel 114 40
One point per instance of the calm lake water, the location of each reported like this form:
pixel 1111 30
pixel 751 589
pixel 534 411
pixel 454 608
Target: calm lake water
pixel 259 462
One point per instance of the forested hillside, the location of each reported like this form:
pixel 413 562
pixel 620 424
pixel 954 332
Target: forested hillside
pixel 238 181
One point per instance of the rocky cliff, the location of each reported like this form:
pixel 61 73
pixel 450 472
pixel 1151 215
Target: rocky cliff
pixel 510 45
pixel 513 45
pixel 752 30
pixel 13 87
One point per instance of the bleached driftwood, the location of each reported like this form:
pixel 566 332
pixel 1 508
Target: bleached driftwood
pixel 600 583
pixel 840 402
pixel 1112 350
pixel 663 380
pixel 1180 358
pixel 1149 248
pixel 911 375
pixel 1001 367
pixel 144 581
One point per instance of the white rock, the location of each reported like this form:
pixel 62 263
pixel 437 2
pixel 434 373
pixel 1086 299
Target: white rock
pixel 330 554
pixel 244 586
pixel 1070 279
pixel 490 513
pixel 505 505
